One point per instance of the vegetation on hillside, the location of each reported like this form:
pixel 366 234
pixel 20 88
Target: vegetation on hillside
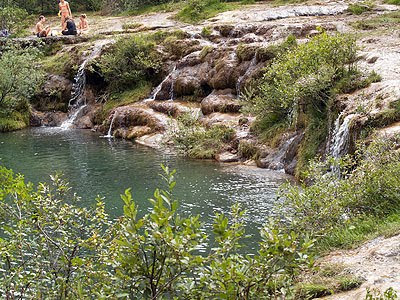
pixel 297 90
pixel 20 78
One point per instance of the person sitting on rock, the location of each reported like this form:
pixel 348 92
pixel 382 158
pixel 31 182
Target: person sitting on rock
pixel 40 29
pixel 70 27
pixel 83 24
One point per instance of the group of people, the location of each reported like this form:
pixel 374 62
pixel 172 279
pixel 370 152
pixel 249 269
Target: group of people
pixel 68 26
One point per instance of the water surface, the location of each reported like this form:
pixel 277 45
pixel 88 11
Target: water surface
pixel 98 166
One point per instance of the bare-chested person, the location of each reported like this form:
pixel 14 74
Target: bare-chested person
pixel 41 30
pixel 65 11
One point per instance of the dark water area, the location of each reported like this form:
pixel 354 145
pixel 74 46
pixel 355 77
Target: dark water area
pixel 106 167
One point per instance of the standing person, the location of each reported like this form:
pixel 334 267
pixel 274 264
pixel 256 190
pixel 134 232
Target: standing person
pixel 70 27
pixel 83 24
pixel 64 11
pixel 40 29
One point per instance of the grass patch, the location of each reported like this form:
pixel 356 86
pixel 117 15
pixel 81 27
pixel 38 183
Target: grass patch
pixel 128 26
pixel 14 121
pixel 198 10
pixel 326 280
pixel 384 20
pixel 135 94
pixel 361 230
pixel 395 2
pixel 360 8
pixel 61 64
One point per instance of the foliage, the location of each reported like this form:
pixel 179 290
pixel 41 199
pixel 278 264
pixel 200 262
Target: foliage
pixel 375 294
pixel 49 245
pixel 247 149
pixel 370 190
pixel 359 8
pixel 301 78
pixel 386 20
pixel 52 247
pixel 395 2
pixel 197 10
pixel 128 26
pixel 13 19
pixel 130 61
pixel 20 78
pixel 197 141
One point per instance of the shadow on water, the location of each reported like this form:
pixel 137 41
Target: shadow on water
pixel 106 167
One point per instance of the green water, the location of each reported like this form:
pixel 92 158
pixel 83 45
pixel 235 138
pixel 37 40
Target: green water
pixel 98 166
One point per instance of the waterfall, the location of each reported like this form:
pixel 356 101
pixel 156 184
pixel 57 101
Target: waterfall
pixel 157 90
pixel 251 67
pixel 341 136
pixel 109 134
pixel 78 102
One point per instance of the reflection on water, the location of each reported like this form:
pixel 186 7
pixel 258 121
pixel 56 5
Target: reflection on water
pixel 106 167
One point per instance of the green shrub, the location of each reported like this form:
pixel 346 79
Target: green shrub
pixel 359 8
pixel 247 149
pixel 197 10
pixel 197 141
pixel 53 247
pixel 347 283
pixel 395 2
pixel 206 31
pixel 333 203
pixel 130 61
pixel 376 294
pixel 14 19
pixel 311 291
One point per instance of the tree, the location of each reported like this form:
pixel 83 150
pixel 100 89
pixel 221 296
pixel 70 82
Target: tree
pixel 20 76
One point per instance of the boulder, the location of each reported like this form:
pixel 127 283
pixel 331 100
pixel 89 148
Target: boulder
pixel 220 102
pixel 50 119
pixel 227 157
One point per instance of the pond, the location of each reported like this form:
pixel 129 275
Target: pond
pixel 106 167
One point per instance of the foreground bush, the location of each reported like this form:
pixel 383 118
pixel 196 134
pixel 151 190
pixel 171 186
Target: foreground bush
pixel 53 248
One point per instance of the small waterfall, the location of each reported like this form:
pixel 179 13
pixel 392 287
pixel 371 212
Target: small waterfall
pixel 78 102
pixel 341 136
pixel 157 90
pixel 251 67
pixel 109 134
pixel 70 121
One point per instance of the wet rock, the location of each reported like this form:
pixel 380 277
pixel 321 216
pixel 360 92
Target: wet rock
pixel 227 157
pixel 54 95
pixel 225 74
pixel 50 119
pixel 168 108
pixel 133 132
pixel 220 101
pixel 154 140
pixel 282 158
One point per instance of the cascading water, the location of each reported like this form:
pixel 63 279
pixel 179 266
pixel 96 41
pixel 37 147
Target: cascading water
pixel 78 102
pixel 157 90
pixel 341 136
pixel 109 133
pixel 251 67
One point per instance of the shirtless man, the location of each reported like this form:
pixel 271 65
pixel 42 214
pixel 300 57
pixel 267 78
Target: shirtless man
pixel 40 29
pixel 65 11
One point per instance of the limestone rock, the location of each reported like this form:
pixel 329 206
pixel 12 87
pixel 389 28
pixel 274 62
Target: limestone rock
pixel 220 102
pixel 227 157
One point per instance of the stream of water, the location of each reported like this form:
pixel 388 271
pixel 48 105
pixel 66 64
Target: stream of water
pixel 106 167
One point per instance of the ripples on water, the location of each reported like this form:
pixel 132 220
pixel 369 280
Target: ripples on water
pixel 96 166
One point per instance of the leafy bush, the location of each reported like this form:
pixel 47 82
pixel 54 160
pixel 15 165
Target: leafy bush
pixel 129 61
pixel 52 247
pixel 302 77
pixel 369 190
pixel 197 141
pixel 14 19
pixel 20 79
